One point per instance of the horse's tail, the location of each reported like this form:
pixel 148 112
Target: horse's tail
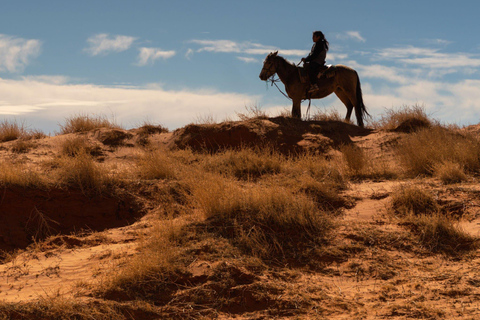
pixel 360 109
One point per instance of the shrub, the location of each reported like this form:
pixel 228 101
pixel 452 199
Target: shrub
pixel 318 168
pixel 84 123
pixel 325 194
pixel 147 274
pixel 246 163
pixel 355 158
pixel 326 115
pixel 14 174
pixel 271 223
pixel 422 151
pixel 405 119
pixel 11 131
pixel 77 145
pixel 84 173
pixel 449 172
pixel 440 233
pixel 155 164
pixel 413 200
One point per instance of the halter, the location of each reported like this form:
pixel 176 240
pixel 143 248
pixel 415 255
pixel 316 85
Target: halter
pixel 274 82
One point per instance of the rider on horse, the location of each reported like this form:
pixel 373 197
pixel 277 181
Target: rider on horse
pixel 315 61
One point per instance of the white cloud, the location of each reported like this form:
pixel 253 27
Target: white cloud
pixel 149 55
pixel 430 58
pixel 103 43
pixel 351 35
pixel 44 105
pixel 248 60
pixel 16 53
pixel 189 54
pixel 229 46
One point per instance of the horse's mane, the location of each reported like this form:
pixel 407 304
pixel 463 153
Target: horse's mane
pixel 290 63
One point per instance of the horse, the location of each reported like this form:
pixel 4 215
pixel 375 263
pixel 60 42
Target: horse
pixel 344 81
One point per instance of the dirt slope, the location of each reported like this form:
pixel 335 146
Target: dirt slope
pixel 373 267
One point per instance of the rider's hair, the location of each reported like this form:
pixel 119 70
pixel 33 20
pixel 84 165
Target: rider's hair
pixel 322 37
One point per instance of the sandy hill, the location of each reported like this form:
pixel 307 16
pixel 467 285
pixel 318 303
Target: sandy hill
pixel 266 218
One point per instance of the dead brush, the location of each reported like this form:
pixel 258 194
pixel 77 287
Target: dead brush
pixel 11 130
pixel 405 119
pixel 246 163
pixel 422 151
pixel 355 159
pixel 19 175
pixel 252 113
pixel 440 233
pixel 318 168
pixel 155 164
pixel 450 172
pixel 84 173
pixel 151 274
pixel 324 194
pixel 411 199
pixel 56 306
pixel 84 123
pixel 327 115
pixel 77 145
pixel 268 222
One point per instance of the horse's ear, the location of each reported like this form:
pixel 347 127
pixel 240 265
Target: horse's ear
pixel 275 53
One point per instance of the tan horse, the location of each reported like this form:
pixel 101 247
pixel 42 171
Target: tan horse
pixel 344 82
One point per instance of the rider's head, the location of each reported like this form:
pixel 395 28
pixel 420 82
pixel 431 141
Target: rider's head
pixel 319 36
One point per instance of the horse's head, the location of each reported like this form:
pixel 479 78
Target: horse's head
pixel 269 66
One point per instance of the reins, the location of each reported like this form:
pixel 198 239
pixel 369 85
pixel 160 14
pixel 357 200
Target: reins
pixel 274 82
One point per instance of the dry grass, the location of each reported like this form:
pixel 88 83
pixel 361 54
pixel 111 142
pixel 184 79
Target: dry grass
pixel 253 112
pixel 413 200
pixel 271 223
pixel 84 123
pixel 149 275
pixel 406 119
pixel 59 307
pixel 360 165
pixel 78 145
pixel 327 115
pixel 11 130
pixel 440 233
pixel 19 175
pixel 155 164
pixel 246 163
pixel 84 173
pixel 450 172
pixel 422 151
pixel 318 168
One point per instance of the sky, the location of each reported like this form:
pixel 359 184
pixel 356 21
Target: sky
pixel 179 62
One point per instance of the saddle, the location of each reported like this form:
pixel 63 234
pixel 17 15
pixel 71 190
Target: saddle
pixel 327 71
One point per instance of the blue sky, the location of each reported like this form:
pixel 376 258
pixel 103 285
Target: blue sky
pixel 177 62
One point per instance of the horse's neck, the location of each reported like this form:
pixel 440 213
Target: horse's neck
pixel 285 69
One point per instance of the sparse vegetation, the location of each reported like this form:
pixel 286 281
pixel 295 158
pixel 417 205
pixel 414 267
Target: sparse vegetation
pixel 413 200
pixel 422 151
pixel 405 119
pixel 84 123
pixel 247 230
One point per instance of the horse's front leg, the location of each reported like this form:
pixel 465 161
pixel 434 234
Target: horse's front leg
pixel 297 108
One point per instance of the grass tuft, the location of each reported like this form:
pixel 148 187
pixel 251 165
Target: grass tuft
pixel 84 123
pixel 414 200
pixel 421 152
pixel 405 119
pixel 270 223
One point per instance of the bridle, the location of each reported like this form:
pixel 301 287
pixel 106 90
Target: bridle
pixel 273 64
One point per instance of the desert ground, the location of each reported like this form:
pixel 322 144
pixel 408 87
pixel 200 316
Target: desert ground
pixel 260 218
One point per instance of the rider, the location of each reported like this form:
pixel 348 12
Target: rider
pixel 315 61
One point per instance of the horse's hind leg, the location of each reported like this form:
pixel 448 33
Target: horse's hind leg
pixel 346 101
